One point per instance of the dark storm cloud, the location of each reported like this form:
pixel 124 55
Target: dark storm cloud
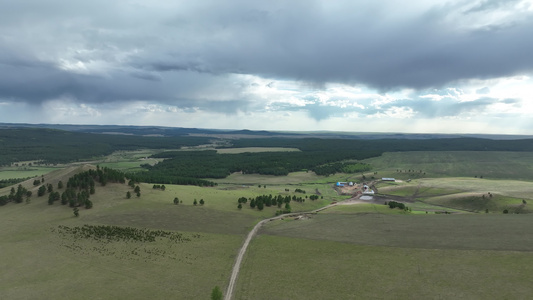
pixel 360 44
pixel 38 83
pixel 35 84
pixel 178 51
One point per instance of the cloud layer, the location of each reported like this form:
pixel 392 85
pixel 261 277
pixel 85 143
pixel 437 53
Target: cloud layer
pixel 319 61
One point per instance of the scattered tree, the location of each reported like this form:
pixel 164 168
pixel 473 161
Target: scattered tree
pixel 202 202
pixel 88 204
pixel 176 201
pixel 41 191
pixel 195 202
pixel 76 212
pixel 287 208
pixel 128 195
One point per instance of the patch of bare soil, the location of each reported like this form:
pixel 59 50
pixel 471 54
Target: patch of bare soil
pixel 361 200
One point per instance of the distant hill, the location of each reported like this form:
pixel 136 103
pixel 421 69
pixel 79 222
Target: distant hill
pixel 245 133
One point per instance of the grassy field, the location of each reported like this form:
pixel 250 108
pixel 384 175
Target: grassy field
pixel 294 268
pixel 129 161
pixel 372 252
pixel 468 194
pixel 24 172
pixel 255 150
pixel 62 267
pixel 395 229
pixel 45 265
pixel 499 165
pixel 363 251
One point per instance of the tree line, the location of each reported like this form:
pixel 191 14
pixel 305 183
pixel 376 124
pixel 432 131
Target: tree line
pixel 281 201
pixel 51 146
pixel 210 164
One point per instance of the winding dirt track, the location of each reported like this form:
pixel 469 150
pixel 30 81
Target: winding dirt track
pixel 253 232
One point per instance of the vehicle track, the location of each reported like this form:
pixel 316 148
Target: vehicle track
pixel 253 232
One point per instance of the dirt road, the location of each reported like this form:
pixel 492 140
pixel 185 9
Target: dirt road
pixel 253 232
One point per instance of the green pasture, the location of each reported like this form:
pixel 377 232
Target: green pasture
pixel 486 164
pixel 44 265
pixel 431 231
pixel 189 270
pixel 465 194
pixel 129 161
pixel 23 172
pixel 482 202
pixel 361 251
pixel 514 188
pixel 363 208
pixel 255 150
pixel 413 190
pixel 224 197
pixel 279 267
pixel 295 178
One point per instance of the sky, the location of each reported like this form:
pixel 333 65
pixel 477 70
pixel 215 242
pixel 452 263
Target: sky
pixel 460 66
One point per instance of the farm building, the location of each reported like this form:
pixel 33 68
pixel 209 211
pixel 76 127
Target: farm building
pixel 367 190
pixel 340 183
pixel 388 179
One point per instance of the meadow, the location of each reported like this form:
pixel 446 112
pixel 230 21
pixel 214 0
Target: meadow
pixel 365 251
pixel 431 164
pixel 279 267
pixel 43 262
pixel 369 251
pixel 24 172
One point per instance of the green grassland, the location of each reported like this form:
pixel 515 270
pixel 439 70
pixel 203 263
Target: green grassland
pixel 394 229
pixel 362 251
pixel 24 172
pixel 372 252
pixel 42 262
pixel 489 164
pixel 482 203
pixel 466 194
pixel 295 268
pixel 255 150
pixel 45 265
